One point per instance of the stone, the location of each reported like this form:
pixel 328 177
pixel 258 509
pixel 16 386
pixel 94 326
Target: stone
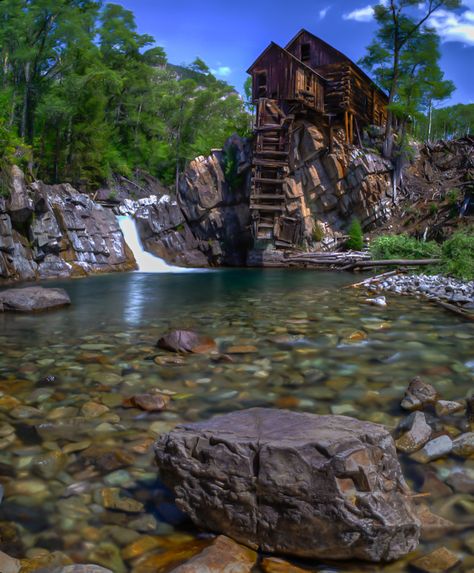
pixel 447 407
pixel 463 445
pixel 433 526
pixel 186 341
pixel 438 561
pixel 9 564
pixel 275 565
pixel 241 473
pixel 437 448
pixel 33 299
pixel 223 555
pixel 20 205
pixel 84 569
pixel 461 480
pixel 148 402
pixel 379 301
pixel 418 395
pixel 112 499
pixel 418 434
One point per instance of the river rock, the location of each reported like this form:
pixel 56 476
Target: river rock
pixel 9 564
pixel 448 407
pixel 418 434
pixel 293 483
pixel 224 555
pixel 187 341
pixel 33 299
pixel 418 395
pixel 464 445
pixel 84 569
pixel 438 561
pixel 434 449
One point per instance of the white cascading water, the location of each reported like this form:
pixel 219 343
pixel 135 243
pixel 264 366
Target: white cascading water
pixel 146 262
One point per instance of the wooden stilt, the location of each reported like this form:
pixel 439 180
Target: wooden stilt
pixel 346 125
pixel 351 129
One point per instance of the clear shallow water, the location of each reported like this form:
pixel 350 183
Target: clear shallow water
pixel 317 347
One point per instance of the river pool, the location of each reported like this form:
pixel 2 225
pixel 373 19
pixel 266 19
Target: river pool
pixel 301 341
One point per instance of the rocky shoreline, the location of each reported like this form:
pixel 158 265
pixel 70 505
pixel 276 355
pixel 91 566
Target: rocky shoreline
pixel 433 287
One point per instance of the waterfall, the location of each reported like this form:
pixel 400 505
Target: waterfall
pixel 147 263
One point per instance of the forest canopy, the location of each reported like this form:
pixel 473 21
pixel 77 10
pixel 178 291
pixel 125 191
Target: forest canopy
pixel 84 95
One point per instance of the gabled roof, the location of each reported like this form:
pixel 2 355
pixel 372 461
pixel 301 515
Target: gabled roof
pixel 273 46
pixel 336 52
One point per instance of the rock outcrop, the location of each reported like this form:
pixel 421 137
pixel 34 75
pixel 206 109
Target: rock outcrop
pixel 326 190
pixel 292 483
pixel 54 231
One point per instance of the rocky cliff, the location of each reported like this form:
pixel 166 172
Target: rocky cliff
pixel 54 231
pixel 209 222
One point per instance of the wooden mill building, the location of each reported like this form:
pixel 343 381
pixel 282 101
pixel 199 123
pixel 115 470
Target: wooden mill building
pixel 307 78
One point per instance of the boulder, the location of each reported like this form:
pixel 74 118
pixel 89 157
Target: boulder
pixel 186 341
pixel 33 299
pixel 293 483
pixel 20 205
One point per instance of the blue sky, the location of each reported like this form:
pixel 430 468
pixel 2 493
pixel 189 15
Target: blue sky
pixel 229 35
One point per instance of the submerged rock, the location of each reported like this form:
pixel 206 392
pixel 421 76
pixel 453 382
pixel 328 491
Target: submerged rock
pixel 33 299
pixel 187 341
pixel 419 394
pixel 434 449
pixel 293 483
pixel 223 555
pixel 438 561
pixel 419 432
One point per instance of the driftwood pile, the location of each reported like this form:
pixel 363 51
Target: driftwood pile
pixel 348 261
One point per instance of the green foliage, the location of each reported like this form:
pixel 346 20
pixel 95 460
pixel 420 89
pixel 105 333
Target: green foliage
pixel 92 96
pixel 453 196
pixel 231 164
pixel 318 233
pixel 433 208
pixel 458 255
pixel 446 123
pixel 404 59
pixel 356 236
pixel 403 247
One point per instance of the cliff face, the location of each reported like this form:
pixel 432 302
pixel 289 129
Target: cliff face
pixel 208 223
pixel 54 231
pixel 327 190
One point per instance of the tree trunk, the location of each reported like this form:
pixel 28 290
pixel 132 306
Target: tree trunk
pixel 26 99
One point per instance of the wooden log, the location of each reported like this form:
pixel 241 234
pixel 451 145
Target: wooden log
pixel 394 263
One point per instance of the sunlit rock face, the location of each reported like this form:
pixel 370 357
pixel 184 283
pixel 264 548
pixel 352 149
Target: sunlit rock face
pixel 55 231
pixel 327 190
pixel 293 483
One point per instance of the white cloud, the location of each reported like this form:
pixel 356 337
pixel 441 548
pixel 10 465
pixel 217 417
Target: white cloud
pixel 361 14
pixel 223 71
pixel 454 27
pixel 323 12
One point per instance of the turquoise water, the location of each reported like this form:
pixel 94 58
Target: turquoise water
pixel 311 344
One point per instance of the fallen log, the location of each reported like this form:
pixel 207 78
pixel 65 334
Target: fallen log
pixel 453 308
pixel 374 280
pixel 391 263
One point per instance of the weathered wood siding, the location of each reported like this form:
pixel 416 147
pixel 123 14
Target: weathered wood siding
pixel 349 90
pixel 287 79
pixel 320 54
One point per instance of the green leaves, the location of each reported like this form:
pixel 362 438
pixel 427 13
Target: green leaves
pixel 93 96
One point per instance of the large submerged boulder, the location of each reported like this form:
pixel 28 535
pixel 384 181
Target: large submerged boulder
pixel 293 483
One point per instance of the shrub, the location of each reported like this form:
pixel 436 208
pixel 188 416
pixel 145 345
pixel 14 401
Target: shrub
pixel 433 208
pixel 458 255
pixel 403 247
pixel 318 233
pixel 356 236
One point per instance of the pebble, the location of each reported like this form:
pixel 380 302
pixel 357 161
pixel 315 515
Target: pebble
pixel 418 395
pixel 112 499
pixel 379 301
pixel 447 407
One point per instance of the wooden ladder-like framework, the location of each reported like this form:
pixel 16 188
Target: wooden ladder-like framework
pixel 270 167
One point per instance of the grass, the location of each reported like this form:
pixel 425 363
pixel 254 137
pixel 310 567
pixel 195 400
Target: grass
pixel 356 236
pixel 456 254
